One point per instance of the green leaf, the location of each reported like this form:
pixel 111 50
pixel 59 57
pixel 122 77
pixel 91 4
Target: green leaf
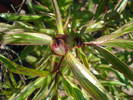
pixel 26 51
pixel 126 44
pixel 15 17
pixel 29 89
pixel 46 89
pixel 28 27
pixel 58 17
pixel 121 6
pixel 112 83
pixel 119 75
pixel 127 28
pixel 100 8
pixel 87 80
pixel 25 38
pixel 94 26
pixel 15 68
pixel 11 35
pixel 116 63
pixel 72 90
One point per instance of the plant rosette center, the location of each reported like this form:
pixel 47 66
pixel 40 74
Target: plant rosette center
pixel 62 43
pixel 59 45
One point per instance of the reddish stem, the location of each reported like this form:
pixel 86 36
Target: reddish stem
pixel 57 67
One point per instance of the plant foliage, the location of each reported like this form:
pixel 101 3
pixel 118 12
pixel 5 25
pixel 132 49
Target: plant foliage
pixel 71 50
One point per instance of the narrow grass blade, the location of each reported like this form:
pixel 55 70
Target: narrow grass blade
pixel 58 17
pixel 15 68
pixel 72 90
pixel 126 44
pixel 116 63
pixel 86 79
